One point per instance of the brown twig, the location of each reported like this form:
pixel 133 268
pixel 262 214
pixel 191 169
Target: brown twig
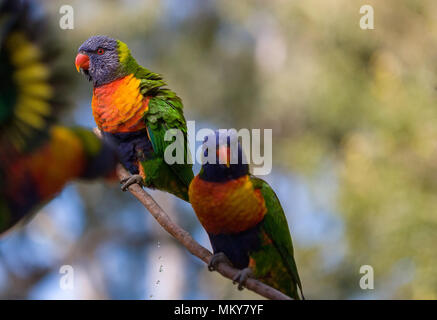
pixel 192 246
pixel 188 242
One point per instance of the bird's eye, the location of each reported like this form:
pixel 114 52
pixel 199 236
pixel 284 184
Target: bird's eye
pixel 100 51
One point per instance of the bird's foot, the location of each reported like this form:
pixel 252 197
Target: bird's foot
pixel 127 182
pixel 216 259
pixel 242 277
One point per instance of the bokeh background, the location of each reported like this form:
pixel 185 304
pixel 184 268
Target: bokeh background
pixel 354 119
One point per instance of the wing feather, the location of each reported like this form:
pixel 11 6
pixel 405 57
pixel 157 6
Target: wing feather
pixel 276 227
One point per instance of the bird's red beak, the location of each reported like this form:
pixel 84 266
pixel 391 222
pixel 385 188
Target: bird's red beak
pixel 82 61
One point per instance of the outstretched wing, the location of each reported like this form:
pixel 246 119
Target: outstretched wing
pixel 276 227
pixel 37 158
pixel 32 89
pixel 36 177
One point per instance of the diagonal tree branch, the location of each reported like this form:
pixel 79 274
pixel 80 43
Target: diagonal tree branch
pixel 188 242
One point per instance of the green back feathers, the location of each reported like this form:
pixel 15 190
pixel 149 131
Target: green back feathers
pixel 150 82
pixel 165 112
pixel 276 226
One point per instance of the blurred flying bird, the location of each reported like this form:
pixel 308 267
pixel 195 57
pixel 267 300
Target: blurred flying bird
pixel 244 219
pixel 37 156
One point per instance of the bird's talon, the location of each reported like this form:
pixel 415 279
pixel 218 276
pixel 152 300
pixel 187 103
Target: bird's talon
pixel 127 182
pixel 241 278
pixel 216 259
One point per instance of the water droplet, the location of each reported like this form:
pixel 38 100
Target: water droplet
pixel 157 282
pixel 161 268
pixel 159 244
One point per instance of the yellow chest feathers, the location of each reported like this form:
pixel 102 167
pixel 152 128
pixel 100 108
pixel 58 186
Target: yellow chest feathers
pixel 228 207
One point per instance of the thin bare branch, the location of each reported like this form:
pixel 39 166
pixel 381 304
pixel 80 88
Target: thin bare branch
pixel 189 243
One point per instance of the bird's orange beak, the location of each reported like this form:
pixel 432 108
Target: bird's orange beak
pixel 82 61
pixel 224 154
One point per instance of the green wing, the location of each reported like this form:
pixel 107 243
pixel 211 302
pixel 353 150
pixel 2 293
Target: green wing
pixel 165 112
pixel 276 227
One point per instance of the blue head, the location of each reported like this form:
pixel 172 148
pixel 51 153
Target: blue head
pixel 229 162
pixel 99 60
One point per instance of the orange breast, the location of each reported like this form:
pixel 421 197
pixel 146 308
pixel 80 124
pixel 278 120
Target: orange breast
pixel 119 106
pixel 229 207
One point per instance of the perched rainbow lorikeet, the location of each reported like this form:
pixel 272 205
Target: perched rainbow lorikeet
pixel 243 218
pixel 132 106
pixel 37 157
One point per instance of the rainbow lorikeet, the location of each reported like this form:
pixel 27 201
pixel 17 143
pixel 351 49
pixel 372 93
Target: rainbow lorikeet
pixel 243 218
pixel 133 108
pixel 37 157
